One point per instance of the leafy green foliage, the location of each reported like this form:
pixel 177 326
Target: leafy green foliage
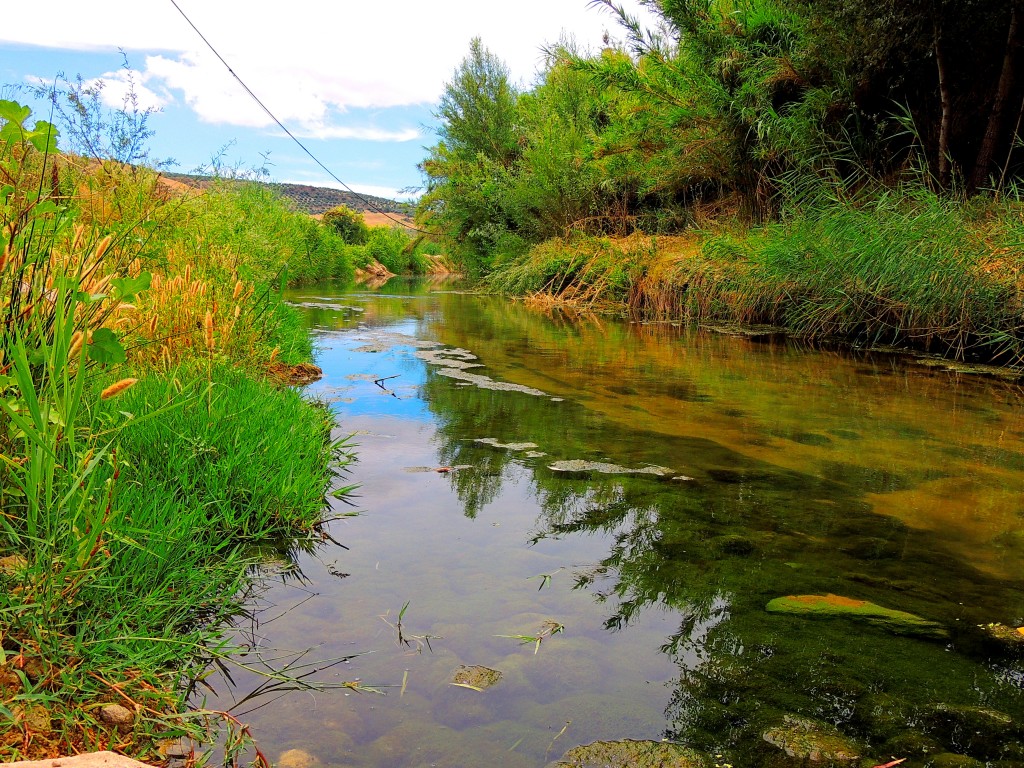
pixel 348 224
pixel 393 248
pixel 131 512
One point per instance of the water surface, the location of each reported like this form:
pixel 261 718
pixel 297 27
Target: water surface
pixel 786 472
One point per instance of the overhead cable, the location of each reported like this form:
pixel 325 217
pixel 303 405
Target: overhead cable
pixel 284 128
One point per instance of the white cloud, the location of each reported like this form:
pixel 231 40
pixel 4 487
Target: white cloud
pixel 363 133
pixel 307 59
pixel 119 85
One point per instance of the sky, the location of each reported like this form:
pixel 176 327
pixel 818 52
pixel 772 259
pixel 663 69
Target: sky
pixel 357 82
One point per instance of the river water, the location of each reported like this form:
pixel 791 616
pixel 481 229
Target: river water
pixel 759 470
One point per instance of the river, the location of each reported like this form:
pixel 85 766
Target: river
pixel 603 511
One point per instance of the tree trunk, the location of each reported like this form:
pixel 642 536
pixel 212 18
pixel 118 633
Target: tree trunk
pixel 996 118
pixel 947 109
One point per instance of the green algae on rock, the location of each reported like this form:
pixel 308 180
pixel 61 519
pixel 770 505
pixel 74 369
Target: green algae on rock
pixel 581 467
pixel 476 677
pixel 838 607
pixel 494 443
pixel 1009 638
pixel 812 741
pixel 630 753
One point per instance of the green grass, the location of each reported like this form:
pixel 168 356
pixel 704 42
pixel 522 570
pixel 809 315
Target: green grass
pixel 902 268
pixel 150 548
pixel 131 524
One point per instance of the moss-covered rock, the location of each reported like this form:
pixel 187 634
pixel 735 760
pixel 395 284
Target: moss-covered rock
pixel 839 607
pixel 983 732
pixel 475 677
pixel 629 753
pixel 812 741
pixel 951 760
pixel 1010 639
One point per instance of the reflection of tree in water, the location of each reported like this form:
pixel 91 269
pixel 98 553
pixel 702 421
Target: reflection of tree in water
pixel 742 670
pixel 715 550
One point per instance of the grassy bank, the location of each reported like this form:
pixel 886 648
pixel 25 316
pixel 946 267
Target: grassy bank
pixel 904 268
pixel 147 443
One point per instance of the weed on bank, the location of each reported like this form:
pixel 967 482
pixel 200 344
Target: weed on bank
pixel 144 449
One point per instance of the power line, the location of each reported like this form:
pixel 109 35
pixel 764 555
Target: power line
pixel 284 128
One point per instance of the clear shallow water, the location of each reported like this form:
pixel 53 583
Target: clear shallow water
pixel 806 473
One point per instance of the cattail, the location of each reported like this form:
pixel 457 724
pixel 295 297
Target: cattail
pixel 152 324
pixel 188 273
pixel 77 339
pixel 238 289
pixel 76 241
pixel 274 353
pixel 116 388
pixel 101 247
pixel 208 330
pixel 238 310
pixel 165 354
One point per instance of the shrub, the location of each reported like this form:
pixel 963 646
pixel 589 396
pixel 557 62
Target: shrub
pixel 347 223
pixel 390 246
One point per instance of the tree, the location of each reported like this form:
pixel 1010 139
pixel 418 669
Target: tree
pixel 347 223
pixel 478 108
pixel 468 169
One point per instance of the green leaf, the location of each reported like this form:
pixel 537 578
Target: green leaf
pixel 13 112
pixel 44 137
pixel 128 287
pixel 105 348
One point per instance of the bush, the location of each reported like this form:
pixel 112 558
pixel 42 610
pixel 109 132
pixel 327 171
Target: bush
pixel 391 247
pixel 347 223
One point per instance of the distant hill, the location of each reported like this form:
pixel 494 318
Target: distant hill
pixel 314 200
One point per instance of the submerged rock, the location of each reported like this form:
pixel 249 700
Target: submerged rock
pixel 992 371
pixel 812 741
pixel 839 607
pixel 1007 638
pixel 952 760
pixel 297 758
pixel 449 358
pixel 476 677
pixel 982 731
pixel 486 382
pixel 581 467
pixel 754 332
pixel 629 753
pixel 493 442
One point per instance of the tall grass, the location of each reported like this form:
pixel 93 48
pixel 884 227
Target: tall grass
pixel 903 267
pixel 143 452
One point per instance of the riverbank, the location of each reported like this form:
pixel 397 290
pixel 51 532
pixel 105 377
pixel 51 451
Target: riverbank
pixel 911 270
pixel 152 449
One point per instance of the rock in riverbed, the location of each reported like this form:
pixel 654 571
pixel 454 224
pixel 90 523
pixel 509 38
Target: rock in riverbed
pixel 839 607
pixel 629 753
pixel 475 677
pixel 580 467
pixel 811 741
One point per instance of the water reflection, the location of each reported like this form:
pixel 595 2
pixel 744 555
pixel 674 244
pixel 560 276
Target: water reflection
pixel 794 473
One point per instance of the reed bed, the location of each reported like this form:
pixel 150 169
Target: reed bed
pixel 906 268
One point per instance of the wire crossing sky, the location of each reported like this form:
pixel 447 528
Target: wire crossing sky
pixel 357 83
